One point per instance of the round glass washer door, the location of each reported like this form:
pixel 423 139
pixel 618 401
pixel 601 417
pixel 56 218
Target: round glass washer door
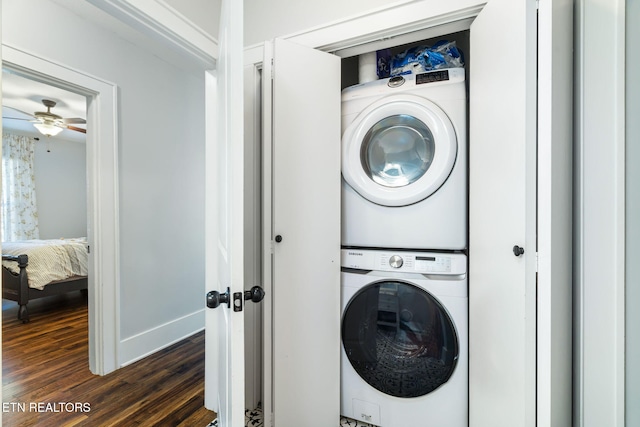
pixel 399 339
pixel 399 150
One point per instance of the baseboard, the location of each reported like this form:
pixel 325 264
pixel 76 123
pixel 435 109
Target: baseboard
pixel 148 342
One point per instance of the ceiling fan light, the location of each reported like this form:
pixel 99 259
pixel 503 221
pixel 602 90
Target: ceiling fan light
pixel 48 129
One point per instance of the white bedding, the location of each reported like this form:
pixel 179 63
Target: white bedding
pixel 49 260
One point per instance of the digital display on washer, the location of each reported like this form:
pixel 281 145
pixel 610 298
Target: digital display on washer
pixel 399 338
pixel 434 76
pixel 433 264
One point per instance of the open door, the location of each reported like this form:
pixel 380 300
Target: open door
pixel 520 214
pixel 301 193
pixel 224 227
pixel 502 216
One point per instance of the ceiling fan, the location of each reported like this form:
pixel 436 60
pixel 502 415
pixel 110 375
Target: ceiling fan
pixel 48 123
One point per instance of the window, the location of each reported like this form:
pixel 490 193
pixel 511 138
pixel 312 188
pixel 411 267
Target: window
pixel 19 210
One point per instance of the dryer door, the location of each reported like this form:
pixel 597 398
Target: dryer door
pixel 399 150
pixel 399 339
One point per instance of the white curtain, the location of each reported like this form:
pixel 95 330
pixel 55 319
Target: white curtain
pixel 19 212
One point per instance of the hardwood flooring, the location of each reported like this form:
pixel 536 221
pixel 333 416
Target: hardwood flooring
pixel 47 382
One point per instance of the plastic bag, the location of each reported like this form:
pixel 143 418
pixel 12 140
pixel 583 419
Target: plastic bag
pixel 443 54
pixel 383 58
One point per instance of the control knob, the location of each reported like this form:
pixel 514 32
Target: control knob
pixel 396 261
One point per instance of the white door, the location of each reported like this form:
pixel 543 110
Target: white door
pixel 302 232
pixel 520 313
pixel 224 226
pixel 502 214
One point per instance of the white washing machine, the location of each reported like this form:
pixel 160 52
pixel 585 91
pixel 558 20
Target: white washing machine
pixel 404 358
pixel 404 162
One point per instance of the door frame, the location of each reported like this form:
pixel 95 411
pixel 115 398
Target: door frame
pixel 102 196
pixel 599 200
pixel 253 233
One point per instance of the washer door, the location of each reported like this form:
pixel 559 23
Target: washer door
pixel 399 150
pixel 399 339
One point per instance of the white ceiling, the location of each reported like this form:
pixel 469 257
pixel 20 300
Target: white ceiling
pixel 25 96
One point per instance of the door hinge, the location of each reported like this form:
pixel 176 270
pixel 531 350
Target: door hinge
pixel 537 262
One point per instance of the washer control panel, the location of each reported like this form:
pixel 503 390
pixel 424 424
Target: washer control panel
pixel 406 262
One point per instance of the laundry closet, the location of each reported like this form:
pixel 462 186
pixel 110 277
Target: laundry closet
pixel 404 282
pixel 300 182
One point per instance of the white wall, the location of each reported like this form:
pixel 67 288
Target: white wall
pixel 61 188
pixel 265 20
pixel 633 215
pixel 161 167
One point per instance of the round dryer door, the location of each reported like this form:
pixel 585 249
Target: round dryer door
pixel 399 150
pixel 399 339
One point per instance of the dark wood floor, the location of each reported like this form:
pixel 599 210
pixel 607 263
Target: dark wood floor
pixel 46 378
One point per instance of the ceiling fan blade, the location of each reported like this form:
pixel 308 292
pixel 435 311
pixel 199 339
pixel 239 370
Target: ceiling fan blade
pixel 17 118
pixel 74 121
pixel 19 111
pixel 76 129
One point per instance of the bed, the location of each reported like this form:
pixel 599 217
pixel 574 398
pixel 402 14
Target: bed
pixel 33 269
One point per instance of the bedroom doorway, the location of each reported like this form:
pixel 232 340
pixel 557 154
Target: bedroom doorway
pixel 101 194
pixel 59 160
pixel 44 155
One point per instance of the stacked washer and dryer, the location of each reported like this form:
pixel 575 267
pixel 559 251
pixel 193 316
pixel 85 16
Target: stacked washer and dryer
pixel 404 237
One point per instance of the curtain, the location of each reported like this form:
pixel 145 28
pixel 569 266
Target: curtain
pixel 19 211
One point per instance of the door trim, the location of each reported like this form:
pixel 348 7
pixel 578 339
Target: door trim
pixel 394 25
pixel 599 218
pixel 102 198
pixel 163 22
pixel 413 18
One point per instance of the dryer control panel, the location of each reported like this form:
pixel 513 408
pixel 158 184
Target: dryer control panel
pixel 406 262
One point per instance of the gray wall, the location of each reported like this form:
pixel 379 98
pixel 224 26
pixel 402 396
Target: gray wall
pixel 204 13
pixel 633 215
pixel 161 157
pixel 61 188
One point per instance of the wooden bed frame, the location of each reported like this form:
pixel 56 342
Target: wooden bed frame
pixel 15 287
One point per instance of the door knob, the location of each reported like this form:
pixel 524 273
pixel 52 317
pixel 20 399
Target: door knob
pixel 215 298
pixel 518 250
pixel 278 238
pixel 256 294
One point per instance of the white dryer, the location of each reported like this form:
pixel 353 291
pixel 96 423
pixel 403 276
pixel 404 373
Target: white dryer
pixel 404 162
pixel 404 358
